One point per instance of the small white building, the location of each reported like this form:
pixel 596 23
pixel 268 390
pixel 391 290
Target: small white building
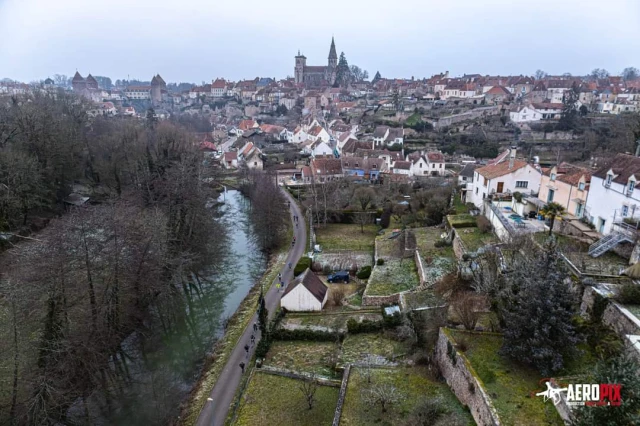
pixel 230 160
pixel 305 293
pixel 505 177
pixel 525 114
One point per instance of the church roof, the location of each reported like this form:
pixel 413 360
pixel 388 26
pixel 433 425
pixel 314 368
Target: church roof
pixel 332 51
pixel 77 77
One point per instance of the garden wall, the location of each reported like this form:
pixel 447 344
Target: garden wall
pixel 380 300
pixel 341 395
pixel 457 371
pixel 458 245
pixel 421 269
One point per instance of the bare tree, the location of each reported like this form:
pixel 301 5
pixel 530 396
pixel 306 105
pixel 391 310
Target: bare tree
pixel 383 395
pixel 308 386
pixel 467 308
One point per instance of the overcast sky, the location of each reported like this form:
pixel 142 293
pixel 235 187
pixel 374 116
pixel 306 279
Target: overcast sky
pixel 197 40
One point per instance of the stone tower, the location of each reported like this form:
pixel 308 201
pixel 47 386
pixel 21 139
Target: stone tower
pixel 301 62
pixel 333 56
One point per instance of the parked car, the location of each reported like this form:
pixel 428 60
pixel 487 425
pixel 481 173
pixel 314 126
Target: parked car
pixel 339 277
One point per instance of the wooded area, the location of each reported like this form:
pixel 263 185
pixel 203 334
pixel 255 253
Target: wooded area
pixel 73 294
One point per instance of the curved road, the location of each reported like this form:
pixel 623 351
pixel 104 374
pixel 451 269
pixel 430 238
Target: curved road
pixel 215 411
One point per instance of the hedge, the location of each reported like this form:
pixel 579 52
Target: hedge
pixel 364 272
pixel 302 265
pixel 306 334
pixel 366 326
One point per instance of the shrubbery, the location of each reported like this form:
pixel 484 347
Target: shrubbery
pixel 630 294
pixel 484 225
pixel 442 243
pixel 303 264
pixel 364 273
pixel 380 262
pixel 366 326
pixel 306 334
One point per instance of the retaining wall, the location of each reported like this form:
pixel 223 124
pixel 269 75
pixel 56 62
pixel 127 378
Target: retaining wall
pixel 458 246
pixel 457 371
pixel 421 269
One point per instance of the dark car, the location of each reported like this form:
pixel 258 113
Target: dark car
pixel 339 277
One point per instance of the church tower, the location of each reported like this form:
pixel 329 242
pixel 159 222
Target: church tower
pixel 333 56
pixel 301 62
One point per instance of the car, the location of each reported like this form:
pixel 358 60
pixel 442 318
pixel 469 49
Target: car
pixel 339 277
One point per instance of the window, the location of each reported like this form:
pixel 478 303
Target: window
pixel 609 178
pixel 632 185
pixel 579 208
pixel 433 166
pixel 440 165
pixel 522 184
pixel 553 176
pixel 420 165
pixel 550 195
pixel 581 186
pixel 625 211
pixel 374 166
pixel 485 181
pixel 476 191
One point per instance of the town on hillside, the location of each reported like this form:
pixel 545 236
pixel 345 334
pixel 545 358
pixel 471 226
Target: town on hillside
pixel 329 248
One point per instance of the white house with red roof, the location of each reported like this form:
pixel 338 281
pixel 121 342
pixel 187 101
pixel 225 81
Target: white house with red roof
pixel 219 88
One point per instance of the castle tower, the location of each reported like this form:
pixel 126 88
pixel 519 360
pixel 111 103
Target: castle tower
pixel 301 62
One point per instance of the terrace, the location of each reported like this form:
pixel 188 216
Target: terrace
pixel 516 224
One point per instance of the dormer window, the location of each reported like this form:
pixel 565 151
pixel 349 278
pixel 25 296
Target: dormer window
pixel 632 185
pixel 581 186
pixel 374 166
pixel 553 176
pixel 357 165
pixel 609 179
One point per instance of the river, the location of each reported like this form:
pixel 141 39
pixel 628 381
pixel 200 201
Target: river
pixel 168 365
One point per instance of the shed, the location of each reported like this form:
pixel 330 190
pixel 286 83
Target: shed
pixel 305 293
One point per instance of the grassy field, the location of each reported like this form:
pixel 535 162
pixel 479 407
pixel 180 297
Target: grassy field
pixel 426 238
pixel 473 239
pixel 356 346
pixel 459 206
pixel 393 277
pixel 274 400
pixel 510 384
pixel 346 237
pixel 304 357
pixel 461 220
pixel 414 388
pixel 420 299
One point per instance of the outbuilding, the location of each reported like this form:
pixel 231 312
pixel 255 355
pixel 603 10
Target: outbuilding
pixel 305 293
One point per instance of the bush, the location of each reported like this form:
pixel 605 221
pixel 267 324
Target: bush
pixel 303 264
pixel 630 294
pixel 484 225
pixel 385 218
pixel 366 326
pixel 442 243
pixel 380 262
pixel 485 373
pixel 306 334
pixel 364 273
pixel 263 347
pixel 391 320
pixel 326 269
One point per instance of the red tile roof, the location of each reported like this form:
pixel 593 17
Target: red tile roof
pixel 500 169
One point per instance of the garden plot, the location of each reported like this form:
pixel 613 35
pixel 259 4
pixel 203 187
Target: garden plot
pixel 426 238
pixel 343 261
pixel 361 347
pixel 510 384
pixel 414 390
pixel 346 237
pixel 266 396
pixel 304 357
pixel 328 321
pixel 422 299
pixel 394 276
pixel 473 239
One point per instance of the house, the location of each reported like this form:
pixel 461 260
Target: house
pixel 305 293
pixel 465 180
pixel 612 195
pixel 299 135
pixel 230 160
pixel 504 177
pixel 380 135
pixel 497 94
pixel 368 168
pixel 567 185
pixel 436 163
pixel 419 164
pixel 318 132
pixel 253 160
pixel 219 88
pixel 524 113
pixel 395 136
pixel 319 148
pixel 325 169
pixel 548 111
pixel 402 168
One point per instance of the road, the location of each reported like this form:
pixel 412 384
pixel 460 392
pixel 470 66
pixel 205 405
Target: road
pixel 215 411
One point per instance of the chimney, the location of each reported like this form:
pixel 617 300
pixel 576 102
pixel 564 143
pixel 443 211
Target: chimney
pixel 512 156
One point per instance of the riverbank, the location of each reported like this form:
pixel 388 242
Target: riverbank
pixel 223 347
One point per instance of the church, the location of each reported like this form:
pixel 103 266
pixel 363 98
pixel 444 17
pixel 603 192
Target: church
pixel 317 76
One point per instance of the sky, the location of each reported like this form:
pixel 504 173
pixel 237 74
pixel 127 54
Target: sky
pixel 200 40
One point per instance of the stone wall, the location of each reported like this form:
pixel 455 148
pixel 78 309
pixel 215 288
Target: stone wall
pixel 457 371
pixel 420 266
pixel 298 376
pixel 458 245
pixel 341 395
pixel 380 300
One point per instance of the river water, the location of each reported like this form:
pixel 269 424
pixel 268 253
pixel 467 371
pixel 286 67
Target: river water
pixel 165 368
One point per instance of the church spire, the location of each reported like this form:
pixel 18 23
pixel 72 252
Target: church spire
pixel 332 51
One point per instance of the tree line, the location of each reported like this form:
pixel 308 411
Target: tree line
pixel 125 264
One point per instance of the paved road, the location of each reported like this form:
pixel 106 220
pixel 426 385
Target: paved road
pixel 216 409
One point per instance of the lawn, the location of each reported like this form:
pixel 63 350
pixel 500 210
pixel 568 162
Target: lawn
pixel 356 347
pixel 304 357
pixel 511 384
pixel 459 206
pixel 394 276
pixel 414 387
pixel 346 237
pixel 387 245
pixel 276 400
pixel 426 238
pixel 473 239
pixel 461 220
pixel 421 299
pixel 330 320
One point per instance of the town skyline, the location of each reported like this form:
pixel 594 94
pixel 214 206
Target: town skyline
pixel 184 48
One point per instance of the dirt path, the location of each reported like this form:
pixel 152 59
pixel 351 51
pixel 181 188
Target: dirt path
pixel 215 411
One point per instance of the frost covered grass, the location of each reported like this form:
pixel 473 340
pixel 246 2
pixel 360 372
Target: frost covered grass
pixel 356 347
pixel 304 357
pixel 335 236
pixel 473 239
pixel 394 276
pixel 337 261
pixel 414 388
